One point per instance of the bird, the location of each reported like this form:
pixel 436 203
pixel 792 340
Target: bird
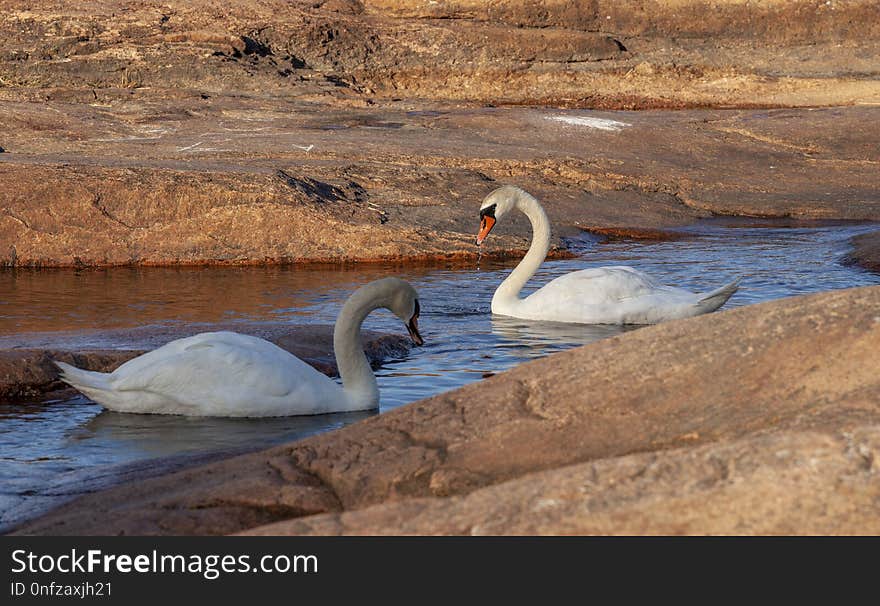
pixel 600 295
pixel 228 374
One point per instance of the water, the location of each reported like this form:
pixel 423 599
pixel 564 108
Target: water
pixel 52 450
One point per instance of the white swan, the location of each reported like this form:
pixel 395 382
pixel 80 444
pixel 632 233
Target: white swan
pixel 232 375
pixel 602 295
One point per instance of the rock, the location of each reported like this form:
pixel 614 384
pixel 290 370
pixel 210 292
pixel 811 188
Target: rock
pixel 790 483
pixel 27 373
pixel 866 251
pixel 553 52
pixel 84 216
pixel 791 20
pixel 342 131
pixel 698 407
pixel 369 192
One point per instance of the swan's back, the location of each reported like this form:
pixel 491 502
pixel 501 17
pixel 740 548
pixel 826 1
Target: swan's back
pixel 607 295
pixel 220 374
pixel 601 286
pixel 244 360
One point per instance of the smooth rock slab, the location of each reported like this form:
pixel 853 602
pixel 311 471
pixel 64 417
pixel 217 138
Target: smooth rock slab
pixel 786 483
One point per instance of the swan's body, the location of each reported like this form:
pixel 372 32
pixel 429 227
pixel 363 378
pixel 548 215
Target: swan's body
pixel 601 295
pixel 233 375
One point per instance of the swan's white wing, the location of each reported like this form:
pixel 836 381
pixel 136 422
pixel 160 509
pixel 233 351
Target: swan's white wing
pixel 608 295
pixel 216 363
pixel 601 286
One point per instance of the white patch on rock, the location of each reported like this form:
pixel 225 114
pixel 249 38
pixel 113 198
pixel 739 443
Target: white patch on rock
pixel 189 147
pixel 600 123
pixel 544 504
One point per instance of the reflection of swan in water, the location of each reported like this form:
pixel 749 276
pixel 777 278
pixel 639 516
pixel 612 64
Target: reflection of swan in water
pixel 144 446
pixel 227 374
pixel 539 338
pixel 163 435
pixel 600 295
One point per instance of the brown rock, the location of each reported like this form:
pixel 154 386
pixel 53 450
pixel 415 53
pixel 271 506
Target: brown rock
pixel 28 373
pixel 744 383
pixel 697 53
pixel 286 132
pixel 786 483
pixel 367 191
pixel 866 251
pixel 779 19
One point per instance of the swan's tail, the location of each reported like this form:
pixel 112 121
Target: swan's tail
pixel 97 386
pixel 711 301
pixel 83 380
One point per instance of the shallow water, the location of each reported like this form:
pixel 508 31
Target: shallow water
pixel 49 450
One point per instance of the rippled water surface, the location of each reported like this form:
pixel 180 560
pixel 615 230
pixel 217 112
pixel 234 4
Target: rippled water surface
pixel 48 449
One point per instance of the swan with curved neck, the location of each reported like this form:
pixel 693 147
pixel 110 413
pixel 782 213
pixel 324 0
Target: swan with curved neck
pixel 601 295
pixel 233 375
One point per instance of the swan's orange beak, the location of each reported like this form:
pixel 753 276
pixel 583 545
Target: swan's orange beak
pixel 486 224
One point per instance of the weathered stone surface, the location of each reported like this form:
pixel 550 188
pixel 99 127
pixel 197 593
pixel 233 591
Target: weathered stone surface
pixel 95 189
pixel 781 19
pixel 866 251
pixel 787 483
pixel 797 374
pixel 30 372
pixel 638 53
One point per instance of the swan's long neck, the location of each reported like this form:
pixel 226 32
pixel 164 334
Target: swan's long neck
pixel 358 381
pixel 508 291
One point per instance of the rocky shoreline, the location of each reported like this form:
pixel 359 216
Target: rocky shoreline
pixel 634 54
pixel 746 410
pixel 354 131
pixel 140 201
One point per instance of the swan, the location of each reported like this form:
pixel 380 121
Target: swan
pixel 600 295
pixel 226 374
